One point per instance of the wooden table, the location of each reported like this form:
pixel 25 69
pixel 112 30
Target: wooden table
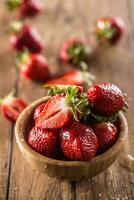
pixel 60 20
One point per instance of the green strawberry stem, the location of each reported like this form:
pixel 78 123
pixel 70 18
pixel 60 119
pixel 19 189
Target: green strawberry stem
pixel 1 100
pixel 22 57
pixel 107 32
pixel 77 103
pixel 99 118
pixel 15 26
pixel 11 94
pixel 87 77
pixel 58 89
pixel 13 4
pixel 79 52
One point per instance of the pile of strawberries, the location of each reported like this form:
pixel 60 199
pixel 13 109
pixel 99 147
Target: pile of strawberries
pixel 79 120
pixel 76 124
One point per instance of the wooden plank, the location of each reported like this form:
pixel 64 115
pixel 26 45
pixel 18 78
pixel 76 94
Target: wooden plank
pixel 61 20
pixel 26 183
pixel 115 182
pixel 113 67
pixel 7 83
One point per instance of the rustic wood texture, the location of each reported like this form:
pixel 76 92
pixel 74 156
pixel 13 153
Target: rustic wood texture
pixel 7 83
pixel 60 20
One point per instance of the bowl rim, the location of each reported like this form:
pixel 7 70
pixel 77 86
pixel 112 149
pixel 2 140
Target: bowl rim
pixel 50 161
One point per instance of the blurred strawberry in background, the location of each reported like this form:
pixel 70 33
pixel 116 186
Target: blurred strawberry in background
pixel 73 77
pixel 33 66
pixel 11 107
pixel 75 50
pixel 23 36
pixel 25 8
pixel 109 29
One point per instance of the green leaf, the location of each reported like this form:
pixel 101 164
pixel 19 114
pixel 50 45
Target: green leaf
pixel 87 76
pixel 11 94
pixel 79 52
pixel 69 90
pixel 112 118
pixel 22 57
pixel 106 33
pixel 15 26
pixel 13 4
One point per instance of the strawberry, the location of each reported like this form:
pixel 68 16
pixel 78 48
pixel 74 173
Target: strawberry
pixel 25 36
pixel 73 77
pixel 109 29
pixel 105 99
pixel 75 50
pixel 107 134
pixel 78 141
pixel 33 66
pixel 43 141
pixel 38 111
pixel 60 110
pixel 26 8
pixel 12 106
pixel 55 114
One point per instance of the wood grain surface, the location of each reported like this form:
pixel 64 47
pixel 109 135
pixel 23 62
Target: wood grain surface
pixel 60 20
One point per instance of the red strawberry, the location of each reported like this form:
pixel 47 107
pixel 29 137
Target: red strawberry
pixel 43 141
pixel 38 110
pixel 55 114
pixel 75 50
pixel 33 66
pixel 78 141
pixel 26 7
pixel 109 29
pixel 106 99
pixel 11 107
pixel 25 36
pixel 107 134
pixel 73 77
pixel 61 110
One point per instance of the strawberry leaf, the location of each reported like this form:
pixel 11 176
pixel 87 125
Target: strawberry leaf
pixel 106 31
pixel 8 96
pixel 112 118
pixel 54 89
pixel 22 57
pixel 13 4
pixel 87 77
pixel 79 52
pixel 15 26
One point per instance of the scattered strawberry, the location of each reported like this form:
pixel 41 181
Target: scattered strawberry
pixel 38 111
pixel 109 29
pixel 12 106
pixel 25 7
pixel 25 36
pixel 43 141
pixel 73 77
pixel 107 134
pixel 78 141
pixel 105 99
pixel 75 50
pixel 33 66
pixel 60 110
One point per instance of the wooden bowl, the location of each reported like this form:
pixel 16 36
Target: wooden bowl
pixel 69 170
